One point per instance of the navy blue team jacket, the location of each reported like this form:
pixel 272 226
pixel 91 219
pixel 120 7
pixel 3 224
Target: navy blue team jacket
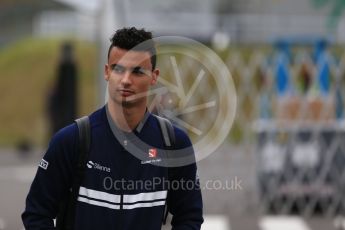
pixel 119 190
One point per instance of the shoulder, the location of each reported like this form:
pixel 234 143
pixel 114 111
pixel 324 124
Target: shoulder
pixel 62 146
pixel 98 119
pixel 65 136
pixel 182 139
pixel 70 134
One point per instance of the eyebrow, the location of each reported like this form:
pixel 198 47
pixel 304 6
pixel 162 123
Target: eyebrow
pixel 131 67
pixel 116 64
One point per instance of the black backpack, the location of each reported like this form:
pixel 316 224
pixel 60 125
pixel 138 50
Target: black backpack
pixel 66 214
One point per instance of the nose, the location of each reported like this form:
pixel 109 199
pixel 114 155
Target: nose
pixel 126 78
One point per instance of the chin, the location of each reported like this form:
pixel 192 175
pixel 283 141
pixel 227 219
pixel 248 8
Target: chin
pixel 125 103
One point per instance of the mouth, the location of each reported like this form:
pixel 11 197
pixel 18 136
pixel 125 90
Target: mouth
pixel 126 92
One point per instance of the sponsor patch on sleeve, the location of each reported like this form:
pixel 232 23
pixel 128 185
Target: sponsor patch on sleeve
pixel 43 164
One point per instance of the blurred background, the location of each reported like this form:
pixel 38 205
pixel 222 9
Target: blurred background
pixel 282 164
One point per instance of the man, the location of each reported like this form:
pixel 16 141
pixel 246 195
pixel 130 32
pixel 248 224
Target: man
pixel 104 201
pixel 62 104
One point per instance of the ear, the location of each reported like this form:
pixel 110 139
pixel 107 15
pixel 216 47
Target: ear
pixel 106 72
pixel 155 75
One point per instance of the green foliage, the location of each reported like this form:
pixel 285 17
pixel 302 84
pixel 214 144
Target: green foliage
pixel 27 75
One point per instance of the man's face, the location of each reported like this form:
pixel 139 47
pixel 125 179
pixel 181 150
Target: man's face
pixel 129 75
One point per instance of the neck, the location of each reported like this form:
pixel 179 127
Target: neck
pixel 126 118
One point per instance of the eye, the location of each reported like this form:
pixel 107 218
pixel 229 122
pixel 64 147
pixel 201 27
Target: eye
pixel 138 71
pixel 118 68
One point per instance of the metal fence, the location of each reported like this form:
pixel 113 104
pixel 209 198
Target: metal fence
pixel 300 94
pixel 290 105
pixel 299 128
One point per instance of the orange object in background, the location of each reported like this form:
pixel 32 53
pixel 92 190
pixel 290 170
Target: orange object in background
pixel 288 108
pixel 320 109
pixel 313 109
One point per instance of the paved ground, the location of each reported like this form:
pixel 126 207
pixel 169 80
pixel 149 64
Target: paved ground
pixel 235 207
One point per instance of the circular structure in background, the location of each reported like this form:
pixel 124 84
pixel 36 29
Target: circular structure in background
pixel 195 91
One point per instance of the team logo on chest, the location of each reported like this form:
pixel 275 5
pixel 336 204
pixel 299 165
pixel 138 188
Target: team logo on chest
pixel 152 156
pixel 152 153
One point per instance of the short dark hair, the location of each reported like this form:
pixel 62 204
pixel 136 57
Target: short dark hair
pixel 132 39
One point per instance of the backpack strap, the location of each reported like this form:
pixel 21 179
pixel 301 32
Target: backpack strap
pixel 67 215
pixel 167 130
pixel 169 139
